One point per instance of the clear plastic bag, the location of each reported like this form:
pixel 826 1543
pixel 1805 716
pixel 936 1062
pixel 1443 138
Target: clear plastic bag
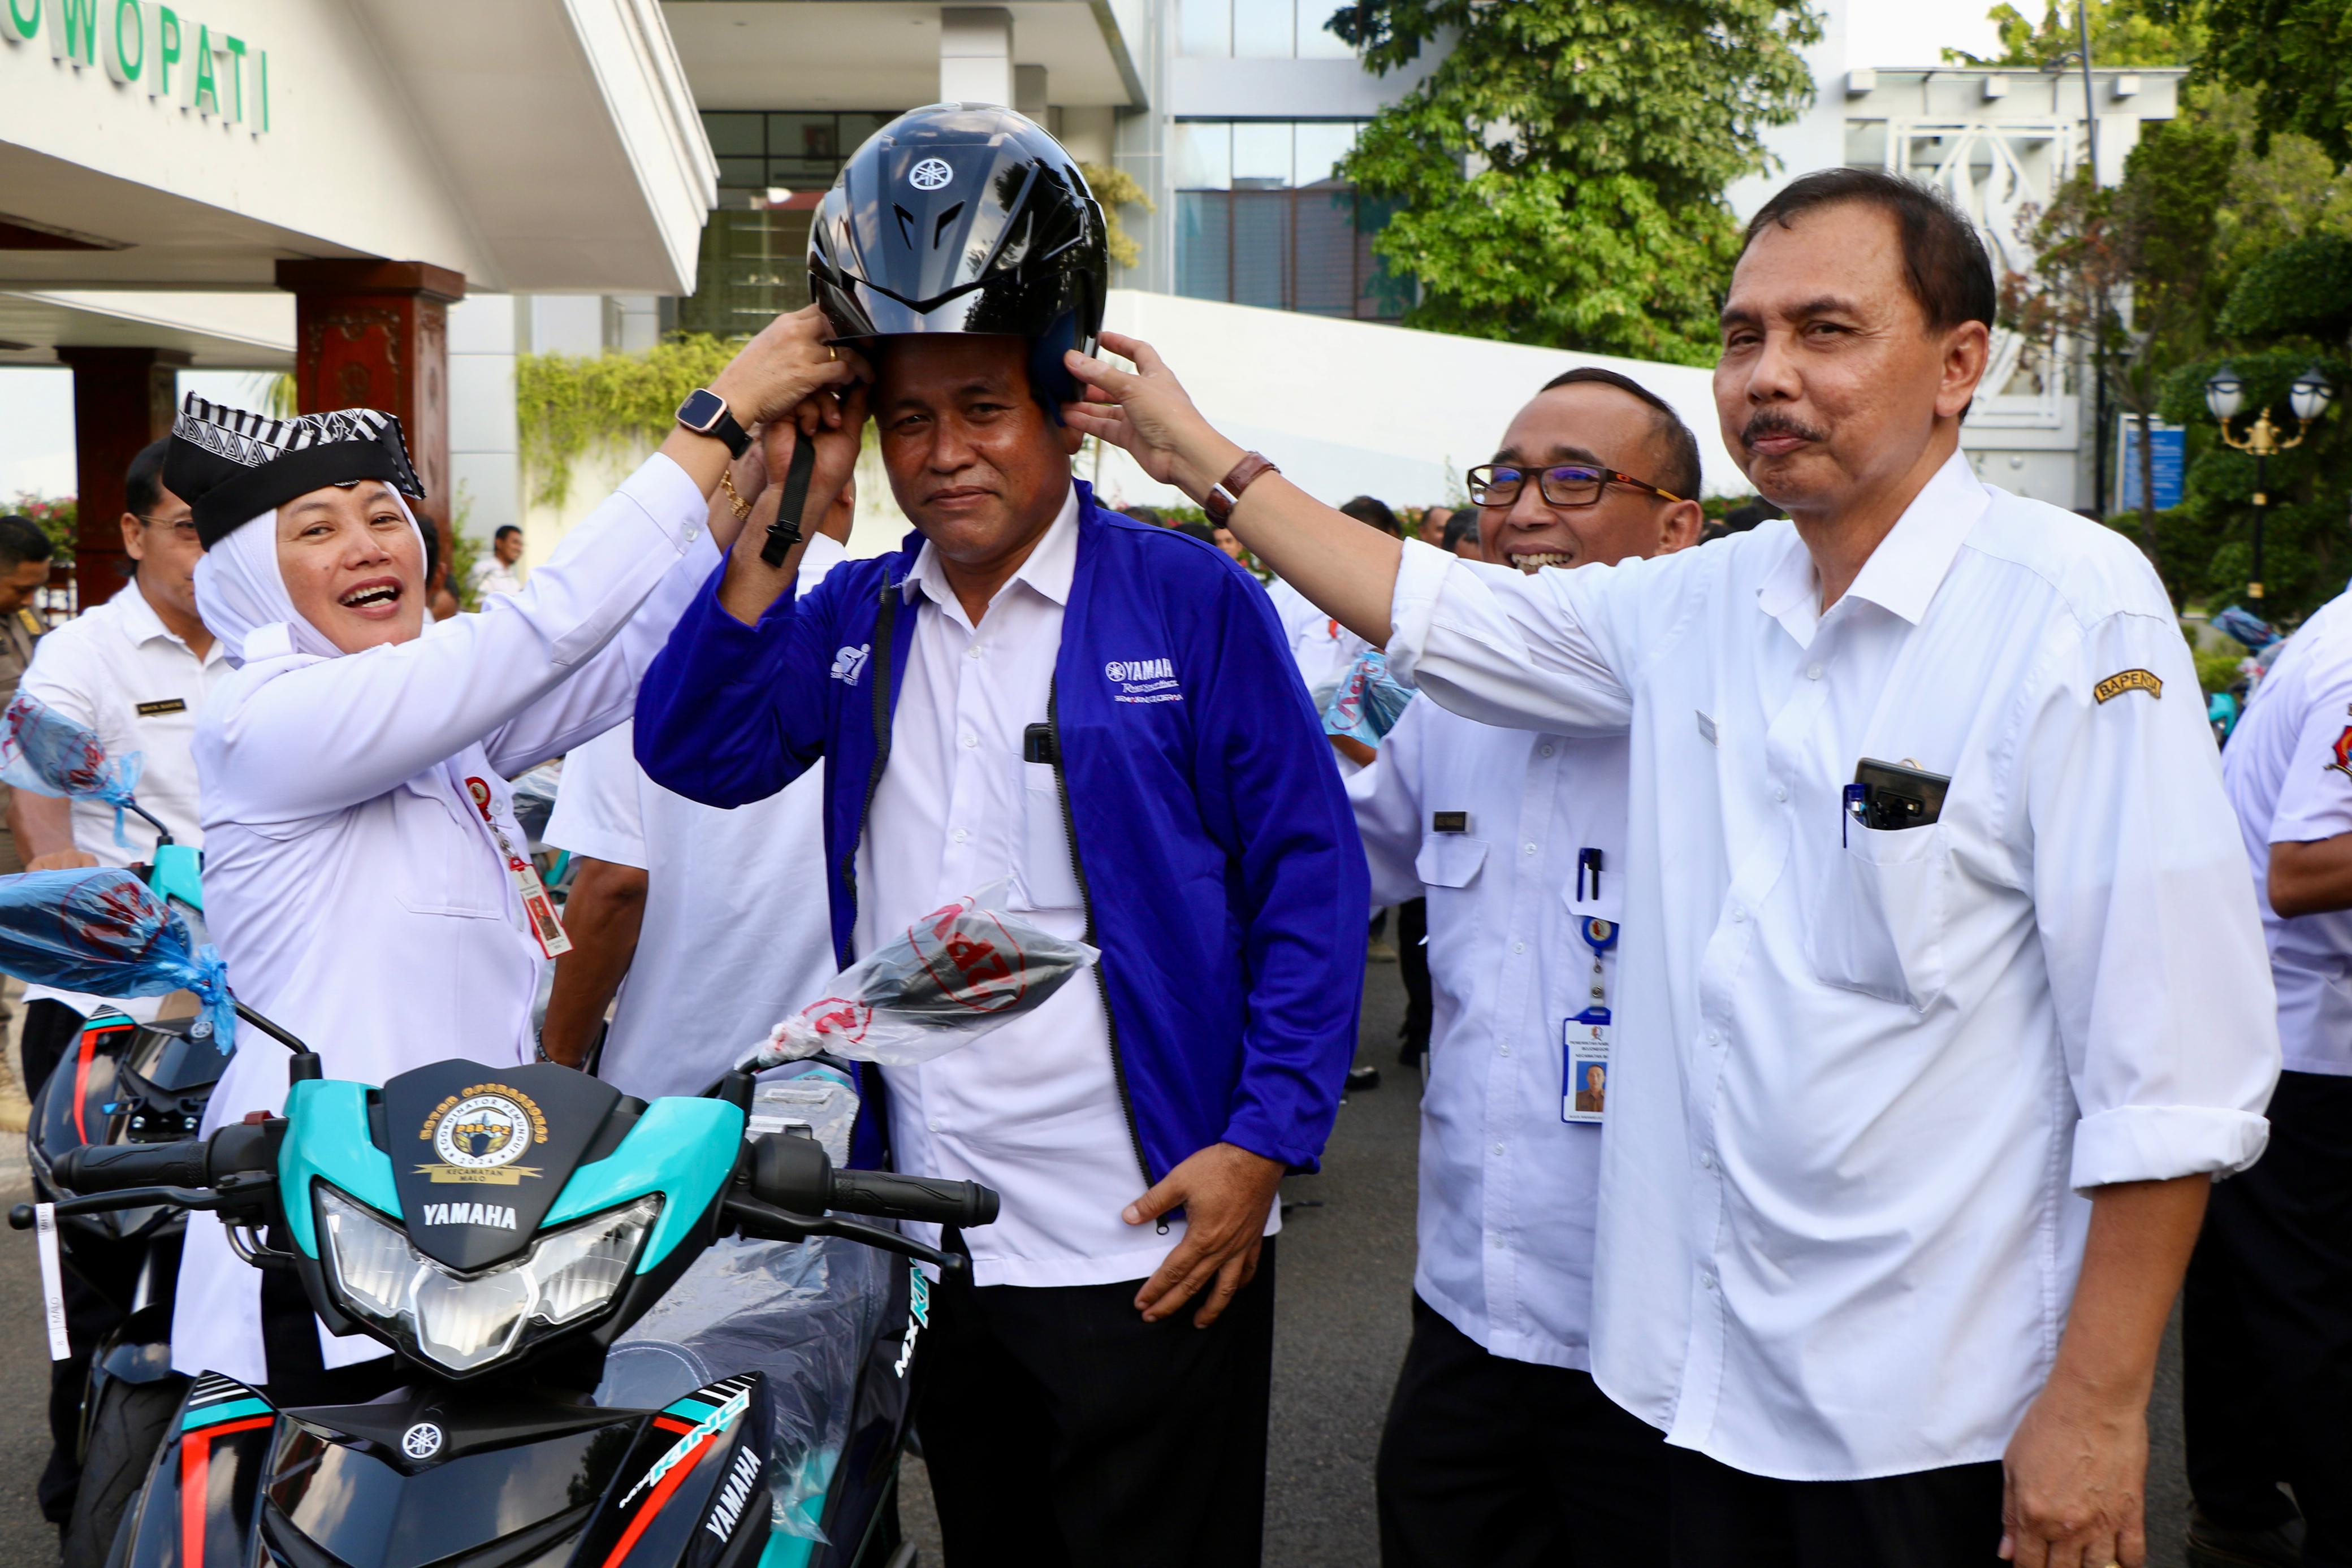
pixel 802 1313
pixel 105 931
pixel 943 982
pixel 1369 701
pixel 46 752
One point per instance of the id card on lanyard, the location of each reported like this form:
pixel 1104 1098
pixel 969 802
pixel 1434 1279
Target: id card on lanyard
pixel 538 909
pixel 1585 1038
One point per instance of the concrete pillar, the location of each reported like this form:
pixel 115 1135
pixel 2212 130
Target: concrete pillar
pixel 1029 91
pixel 484 472
pixel 975 55
pixel 123 399
pixel 375 334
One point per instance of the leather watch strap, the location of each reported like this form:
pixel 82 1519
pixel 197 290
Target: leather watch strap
pixel 1223 495
pixel 785 531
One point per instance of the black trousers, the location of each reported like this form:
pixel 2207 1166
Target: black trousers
pixel 1062 1431
pixel 1413 968
pixel 1725 1518
pixel 2267 1329
pixel 1488 1462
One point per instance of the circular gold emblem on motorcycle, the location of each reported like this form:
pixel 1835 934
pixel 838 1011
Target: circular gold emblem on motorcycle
pixel 482 1132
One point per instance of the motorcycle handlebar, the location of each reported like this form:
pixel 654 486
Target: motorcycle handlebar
pixel 191 1163
pixel 793 1174
pixel 878 1193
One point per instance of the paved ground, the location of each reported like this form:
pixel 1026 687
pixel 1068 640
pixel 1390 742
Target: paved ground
pixel 1347 1271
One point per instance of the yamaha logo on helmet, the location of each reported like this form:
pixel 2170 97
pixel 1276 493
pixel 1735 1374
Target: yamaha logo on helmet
pixel 930 174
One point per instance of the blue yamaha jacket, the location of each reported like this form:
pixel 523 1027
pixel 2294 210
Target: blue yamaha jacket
pixel 1224 879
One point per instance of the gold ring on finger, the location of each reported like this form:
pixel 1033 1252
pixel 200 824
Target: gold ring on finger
pixel 831 352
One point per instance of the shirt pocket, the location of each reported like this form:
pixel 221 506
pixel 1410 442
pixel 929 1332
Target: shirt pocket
pixel 439 865
pixel 1449 859
pixel 1046 878
pixel 1877 920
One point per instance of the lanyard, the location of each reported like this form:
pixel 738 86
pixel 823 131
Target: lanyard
pixel 538 909
pixel 1585 1038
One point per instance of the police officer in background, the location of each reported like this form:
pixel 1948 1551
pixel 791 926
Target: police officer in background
pixel 1944 995
pixel 1500 1451
pixel 23 566
pixel 2267 1319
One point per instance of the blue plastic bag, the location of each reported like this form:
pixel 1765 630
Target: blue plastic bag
pixel 46 752
pixel 105 931
pixel 1368 703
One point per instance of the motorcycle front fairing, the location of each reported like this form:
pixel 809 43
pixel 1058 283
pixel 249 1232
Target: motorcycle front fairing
pixel 493 1480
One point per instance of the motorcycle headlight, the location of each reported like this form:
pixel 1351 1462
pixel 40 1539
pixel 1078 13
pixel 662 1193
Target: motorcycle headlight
pixel 466 1320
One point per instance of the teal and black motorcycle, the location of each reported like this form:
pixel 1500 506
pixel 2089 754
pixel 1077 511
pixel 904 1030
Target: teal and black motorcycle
pixel 511 1233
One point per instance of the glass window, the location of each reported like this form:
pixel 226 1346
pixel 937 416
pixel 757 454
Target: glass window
pixel 734 135
pixel 1262 152
pixel 1263 30
pixel 1206 27
pixel 754 266
pixel 1321 146
pixel 803 136
pixel 1204 155
pixel 742 173
pixel 1317 41
pixel 856 128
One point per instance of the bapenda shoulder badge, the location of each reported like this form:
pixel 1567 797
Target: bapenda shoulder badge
pixel 480 1133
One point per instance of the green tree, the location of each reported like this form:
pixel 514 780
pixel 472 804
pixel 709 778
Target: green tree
pixel 1559 176
pixel 2290 53
pixel 2124 33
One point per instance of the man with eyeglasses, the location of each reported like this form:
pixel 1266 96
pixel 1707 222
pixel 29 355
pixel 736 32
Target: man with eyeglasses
pixel 1500 1451
pixel 1922 798
pixel 135 670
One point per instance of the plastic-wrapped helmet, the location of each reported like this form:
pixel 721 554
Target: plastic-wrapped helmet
pixel 964 217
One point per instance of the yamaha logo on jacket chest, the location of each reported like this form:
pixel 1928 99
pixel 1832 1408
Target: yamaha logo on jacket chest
pixel 1143 680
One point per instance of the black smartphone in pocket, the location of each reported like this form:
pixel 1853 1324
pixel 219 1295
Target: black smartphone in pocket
pixel 1895 795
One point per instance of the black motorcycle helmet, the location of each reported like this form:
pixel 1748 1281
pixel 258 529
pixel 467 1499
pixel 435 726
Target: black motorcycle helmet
pixel 965 217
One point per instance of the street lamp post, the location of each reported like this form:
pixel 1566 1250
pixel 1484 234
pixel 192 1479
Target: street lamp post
pixel 2225 395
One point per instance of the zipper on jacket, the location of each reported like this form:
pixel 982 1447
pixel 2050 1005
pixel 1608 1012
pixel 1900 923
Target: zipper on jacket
pixel 1086 904
pixel 878 666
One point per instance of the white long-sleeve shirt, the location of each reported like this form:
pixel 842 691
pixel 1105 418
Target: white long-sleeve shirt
pixel 1490 823
pixel 353 888
pixel 1862 1078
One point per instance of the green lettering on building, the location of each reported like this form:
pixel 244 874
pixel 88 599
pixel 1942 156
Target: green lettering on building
pixel 74 35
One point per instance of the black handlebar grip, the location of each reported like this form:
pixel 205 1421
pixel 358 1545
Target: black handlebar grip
pixel 112 1167
pixel 959 1203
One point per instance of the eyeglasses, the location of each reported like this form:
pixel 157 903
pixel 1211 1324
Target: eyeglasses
pixel 1566 485
pixel 184 526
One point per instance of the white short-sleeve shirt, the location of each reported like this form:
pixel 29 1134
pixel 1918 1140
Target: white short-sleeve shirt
pixel 735 933
pixel 1863 1077
pixel 2289 772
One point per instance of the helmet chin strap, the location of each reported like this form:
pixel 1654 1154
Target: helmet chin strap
pixel 785 531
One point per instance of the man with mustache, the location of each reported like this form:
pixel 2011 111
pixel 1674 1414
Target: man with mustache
pixel 1498 1448
pixel 1922 798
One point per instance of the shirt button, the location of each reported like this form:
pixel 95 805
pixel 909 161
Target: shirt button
pixel 1706 1162
pixel 1543 751
pixel 958 835
pixel 1738 914
pixel 1498 1149
pixel 1714 1037
pixel 974 740
pixel 1706 1283
pixel 1531 849
pixel 1518 946
pixel 1813 672
pixel 692 533
pixel 1495 1242
pixel 1506 1051
pixel 933 1124
pixel 972 651
pixel 1780 793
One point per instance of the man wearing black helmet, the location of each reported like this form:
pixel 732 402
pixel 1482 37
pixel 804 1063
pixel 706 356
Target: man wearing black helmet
pixel 1102 713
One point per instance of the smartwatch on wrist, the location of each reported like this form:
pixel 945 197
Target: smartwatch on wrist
pixel 705 413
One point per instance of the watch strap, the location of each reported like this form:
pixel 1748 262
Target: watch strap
pixel 1226 493
pixel 785 531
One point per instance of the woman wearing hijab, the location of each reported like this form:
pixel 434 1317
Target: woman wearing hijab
pixel 359 834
